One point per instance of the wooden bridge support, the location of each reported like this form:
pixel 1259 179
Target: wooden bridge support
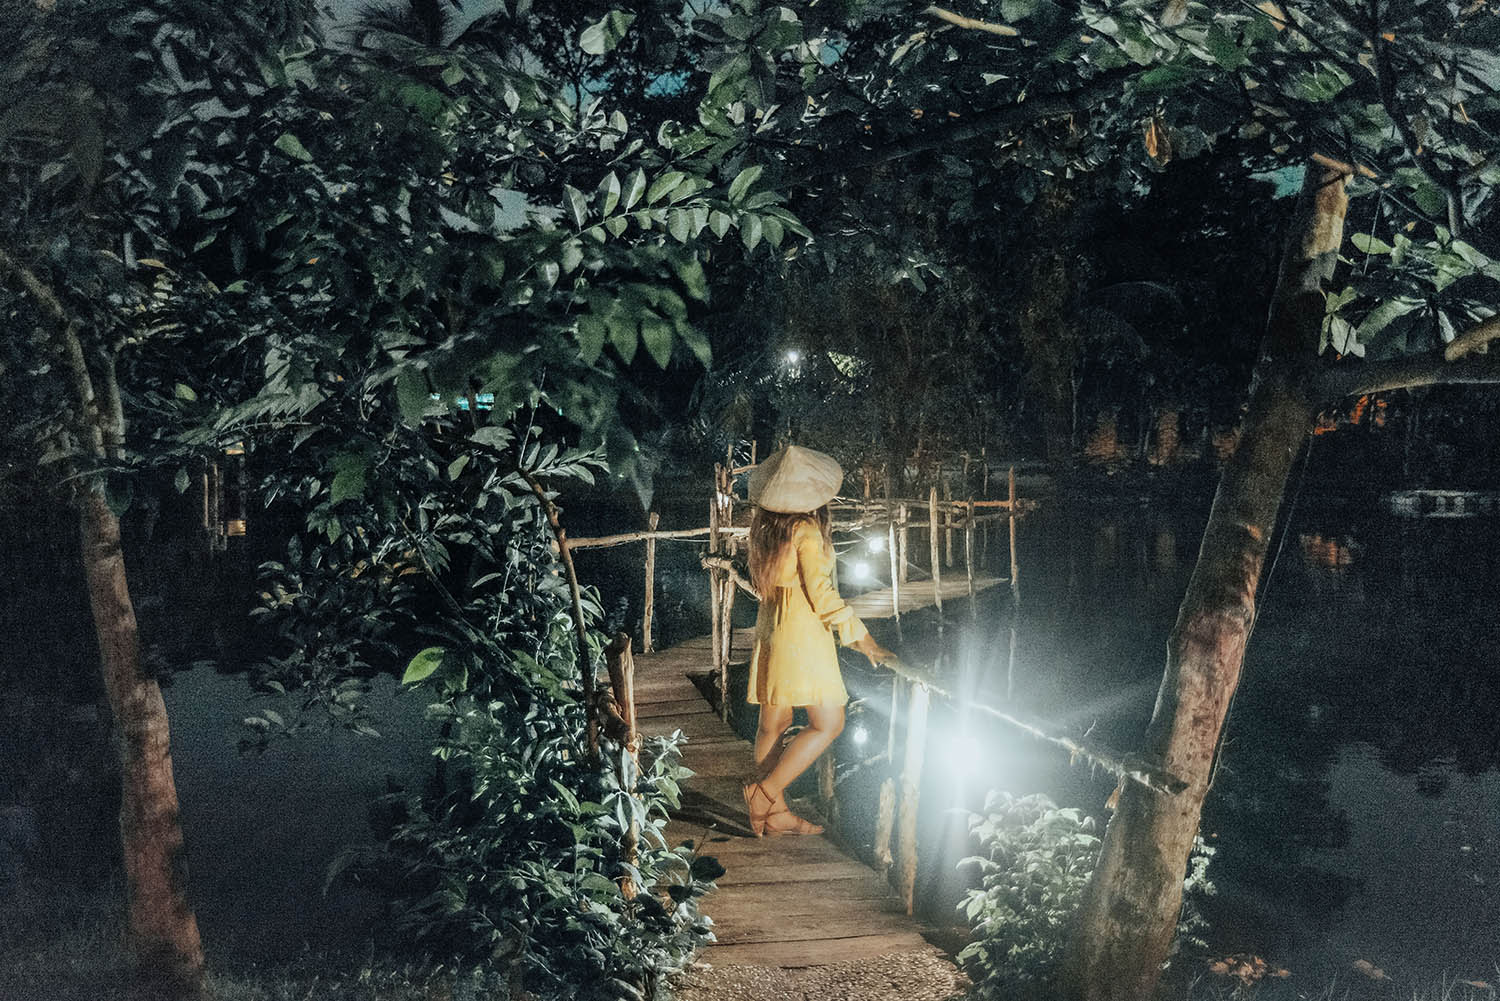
pixel 911 788
pixel 648 606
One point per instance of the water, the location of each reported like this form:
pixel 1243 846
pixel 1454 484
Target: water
pixel 1356 811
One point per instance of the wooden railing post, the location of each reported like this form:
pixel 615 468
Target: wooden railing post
pixel 621 664
pixel 648 607
pixel 947 523
pixel 937 567
pixel 1015 590
pixel 969 549
pixel 901 522
pixel 716 641
pixel 828 787
pixel 896 575
pixel 885 816
pixel 1015 567
pixel 911 786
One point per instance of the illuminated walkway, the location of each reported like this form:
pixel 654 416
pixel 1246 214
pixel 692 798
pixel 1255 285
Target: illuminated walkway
pixel 786 901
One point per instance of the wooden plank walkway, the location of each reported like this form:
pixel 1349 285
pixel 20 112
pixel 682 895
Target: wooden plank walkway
pixel 918 594
pixel 785 902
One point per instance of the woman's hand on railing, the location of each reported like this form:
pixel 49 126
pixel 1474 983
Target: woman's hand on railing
pixel 876 653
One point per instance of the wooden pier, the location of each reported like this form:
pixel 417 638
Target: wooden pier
pixel 785 901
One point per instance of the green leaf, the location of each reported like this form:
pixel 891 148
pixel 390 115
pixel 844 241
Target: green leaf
pixel 592 332
pixel 578 205
pixel 697 344
pixel 603 35
pixel 349 477
pixel 693 279
pixel 181 481
pixel 774 231
pixel 1370 244
pixel 182 391
pixel 1018 10
pixel 292 147
pixel 456 467
pixel 634 188
pixel 656 334
pixel 412 396
pixel 1162 79
pixel 750 231
pixel 741 184
pixel 664 186
pixel 609 193
pixel 623 337
pixel 719 222
pixel 422 665
pixel 680 225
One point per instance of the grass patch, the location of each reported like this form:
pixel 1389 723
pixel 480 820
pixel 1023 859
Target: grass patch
pixel 61 943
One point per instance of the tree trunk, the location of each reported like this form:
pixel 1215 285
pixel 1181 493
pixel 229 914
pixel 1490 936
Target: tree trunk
pixel 1124 927
pixel 162 930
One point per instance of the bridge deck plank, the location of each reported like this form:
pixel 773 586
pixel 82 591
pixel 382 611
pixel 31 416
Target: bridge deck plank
pixel 787 902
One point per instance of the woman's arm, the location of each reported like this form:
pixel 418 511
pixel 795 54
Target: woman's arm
pixel 815 567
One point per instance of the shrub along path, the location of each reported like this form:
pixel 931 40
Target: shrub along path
pixel 786 902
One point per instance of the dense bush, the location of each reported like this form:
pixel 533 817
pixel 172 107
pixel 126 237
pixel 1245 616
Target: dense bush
pixel 1037 858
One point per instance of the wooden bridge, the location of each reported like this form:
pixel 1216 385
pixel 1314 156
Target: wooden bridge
pixel 785 901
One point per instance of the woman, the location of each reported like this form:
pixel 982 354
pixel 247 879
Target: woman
pixel 794 662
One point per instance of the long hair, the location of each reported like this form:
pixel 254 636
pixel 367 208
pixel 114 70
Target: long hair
pixel 771 543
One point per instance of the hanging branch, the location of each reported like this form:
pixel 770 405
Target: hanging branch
pixel 973 24
pixel 585 664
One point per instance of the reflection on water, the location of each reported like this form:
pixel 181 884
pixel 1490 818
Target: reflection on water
pixel 1357 796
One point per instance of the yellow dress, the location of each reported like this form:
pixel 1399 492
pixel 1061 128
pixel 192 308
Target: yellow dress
pixel 794 662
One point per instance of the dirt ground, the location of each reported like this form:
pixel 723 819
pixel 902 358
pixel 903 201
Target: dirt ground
pixel 921 975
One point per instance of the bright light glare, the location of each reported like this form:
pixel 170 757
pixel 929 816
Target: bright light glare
pixel 860 735
pixel 964 753
pixel 793 357
pixel 877 543
pixel 861 570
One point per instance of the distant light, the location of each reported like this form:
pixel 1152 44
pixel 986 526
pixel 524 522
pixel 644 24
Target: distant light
pixel 793 357
pixel 860 735
pixel 877 543
pixel 964 753
pixel 861 570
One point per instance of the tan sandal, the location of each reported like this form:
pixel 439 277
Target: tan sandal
pixel 796 825
pixel 757 817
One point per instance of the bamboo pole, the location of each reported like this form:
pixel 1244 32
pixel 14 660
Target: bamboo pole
pixel 969 553
pixel 1015 567
pixel 580 624
pixel 911 786
pixel 905 531
pixel 648 610
pixel 621 666
pixel 937 568
pixel 885 822
pixel 896 575
pixel 623 538
pixel 1122 767
pixel 828 788
pixel 948 524
pixel 984 491
pixel 715 639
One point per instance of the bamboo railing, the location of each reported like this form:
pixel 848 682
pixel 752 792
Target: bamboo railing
pixel 724 539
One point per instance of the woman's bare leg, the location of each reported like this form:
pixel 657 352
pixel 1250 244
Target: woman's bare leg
pixel 824 724
pixel 773 723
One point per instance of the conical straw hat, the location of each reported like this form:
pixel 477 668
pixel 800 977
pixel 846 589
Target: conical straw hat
pixel 795 480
